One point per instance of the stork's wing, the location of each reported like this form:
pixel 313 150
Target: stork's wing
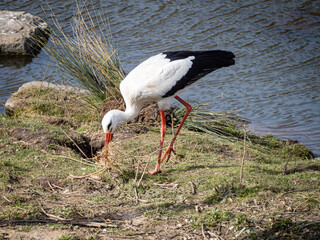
pixel 203 63
pixel 164 74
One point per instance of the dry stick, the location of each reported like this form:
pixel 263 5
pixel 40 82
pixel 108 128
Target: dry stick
pixel 135 183
pixel 202 230
pixel 50 186
pixel 51 216
pixel 144 171
pixel 215 235
pixel 289 157
pixel 88 175
pixel 244 154
pixel 73 159
pixel 75 144
pixel 75 221
pixel 194 188
pixel 5 198
pixel 78 222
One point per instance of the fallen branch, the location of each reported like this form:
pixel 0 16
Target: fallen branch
pixel 202 231
pixel 243 156
pixel 285 168
pixel 57 219
pixel 80 222
pixel 137 184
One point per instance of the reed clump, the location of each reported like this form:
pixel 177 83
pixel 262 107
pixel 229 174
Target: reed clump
pixel 87 54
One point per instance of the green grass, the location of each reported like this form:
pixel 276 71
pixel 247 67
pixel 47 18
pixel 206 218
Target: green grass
pixel 199 191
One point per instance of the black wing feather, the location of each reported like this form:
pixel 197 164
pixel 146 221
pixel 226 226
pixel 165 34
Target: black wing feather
pixel 204 63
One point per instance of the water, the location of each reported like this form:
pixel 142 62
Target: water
pixel 275 82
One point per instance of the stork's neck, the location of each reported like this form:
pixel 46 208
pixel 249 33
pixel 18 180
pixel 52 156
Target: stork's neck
pixel 132 112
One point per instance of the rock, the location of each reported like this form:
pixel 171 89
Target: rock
pixel 22 33
pixel 16 102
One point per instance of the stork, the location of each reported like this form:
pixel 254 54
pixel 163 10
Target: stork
pixel 161 78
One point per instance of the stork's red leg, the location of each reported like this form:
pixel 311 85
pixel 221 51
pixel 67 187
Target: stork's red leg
pixel 163 132
pixel 167 154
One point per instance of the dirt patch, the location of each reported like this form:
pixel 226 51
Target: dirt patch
pixel 303 168
pixel 58 121
pixel 90 144
pixel 36 233
pixel 32 138
pixel 73 140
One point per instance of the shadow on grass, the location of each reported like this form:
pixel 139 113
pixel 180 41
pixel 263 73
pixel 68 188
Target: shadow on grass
pixel 164 208
pixel 283 228
pixel 303 168
pixel 196 167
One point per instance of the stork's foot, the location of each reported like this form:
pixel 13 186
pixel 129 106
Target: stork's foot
pixel 167 154
pixel 156 171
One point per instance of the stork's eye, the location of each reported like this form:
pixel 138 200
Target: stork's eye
pixel 109 125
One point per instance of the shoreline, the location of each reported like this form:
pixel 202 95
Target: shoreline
pixel 51 188
pixel 68 89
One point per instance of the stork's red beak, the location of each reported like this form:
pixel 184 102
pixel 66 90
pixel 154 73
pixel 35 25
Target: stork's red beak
pixel 108 138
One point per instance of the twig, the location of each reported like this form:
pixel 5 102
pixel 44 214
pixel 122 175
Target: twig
pixel 71 221
pixel 239 233
pixel 215 235
pixel 88 175
pixel 202 230
pixel 286 164
pixel 137 171
pixel 194 188
pixel 243 156
pixel 167 186
pixel 5 198
pixel 80 222
pixel 135 184
pixel 292 191
pixel 144 171
pixel 51 216
pixel 74 143
pixel 50 186
pixel 73 159
pixel 56 186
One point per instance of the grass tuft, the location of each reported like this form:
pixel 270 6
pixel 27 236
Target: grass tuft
pixel 87 56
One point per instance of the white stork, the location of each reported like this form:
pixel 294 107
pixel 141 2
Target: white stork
pixel 159 79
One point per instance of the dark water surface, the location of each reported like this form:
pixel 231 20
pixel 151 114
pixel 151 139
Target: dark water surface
pixel 276 79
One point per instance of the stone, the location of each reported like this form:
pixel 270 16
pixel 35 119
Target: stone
pixel 22 33
pixel 16 102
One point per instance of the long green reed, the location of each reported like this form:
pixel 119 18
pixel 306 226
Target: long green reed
pixel 222 124
pixel 87 55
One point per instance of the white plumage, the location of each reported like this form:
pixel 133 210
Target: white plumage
pixel 152 79
pixel 159 79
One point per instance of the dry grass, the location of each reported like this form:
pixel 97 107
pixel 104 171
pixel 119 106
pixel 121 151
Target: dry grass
pixel 87 55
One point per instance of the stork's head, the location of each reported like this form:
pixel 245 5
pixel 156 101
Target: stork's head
pixel 109 123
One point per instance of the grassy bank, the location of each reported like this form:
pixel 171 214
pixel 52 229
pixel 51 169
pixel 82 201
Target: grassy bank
pixel 48 189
